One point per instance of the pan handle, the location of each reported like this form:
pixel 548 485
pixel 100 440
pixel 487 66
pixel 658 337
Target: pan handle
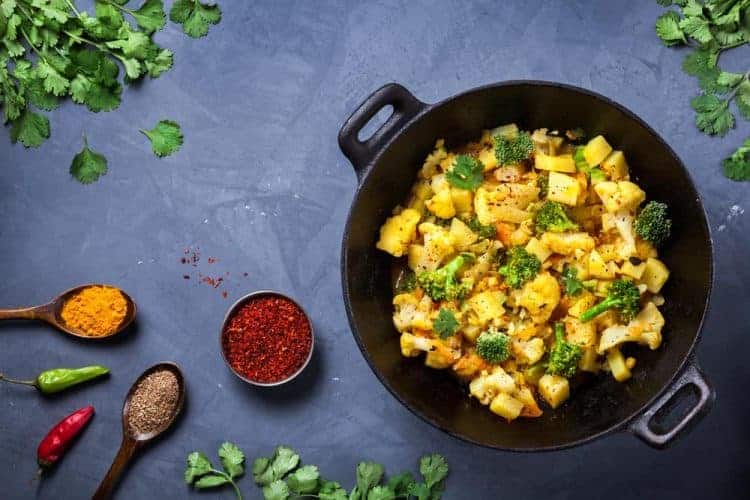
pixel 692 375
pixel 405 107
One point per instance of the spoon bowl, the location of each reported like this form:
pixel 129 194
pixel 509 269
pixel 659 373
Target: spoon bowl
pixel 51 313
pixel 132 441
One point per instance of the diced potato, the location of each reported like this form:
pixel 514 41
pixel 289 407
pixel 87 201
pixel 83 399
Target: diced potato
pixel 488 159
pixel 539 249
pixel 528 352
pixel 655 274
pixel 540 296
pixel 621 195
pixel 568 243
pixel 441 204
pixel 600 269
pixel 617 365
pixel 508 131
pixel 632 270
pixel 615 166
pixel 583 334
pixel 398 231
pixel 487 305
pixel 438 244
pixel 554 389
pixel 506 406
pixel 504 203
pixel 563 189
pixel 589 361
pixel 462 200
pixel 562 163
pixel 596 150
pixel 488 385
pixel 462 236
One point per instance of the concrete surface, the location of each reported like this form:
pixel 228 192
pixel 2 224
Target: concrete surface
pixel 261 186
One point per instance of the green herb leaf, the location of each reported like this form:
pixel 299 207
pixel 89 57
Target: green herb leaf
pixel 150 16
pixel 195 16
pixel 211 480
pixel 737 166
pixel 266 471
pixel 743 98
pixel 697 27
pixel 381 493
pixel 32 129
pixel 433 468
pixel 304 480
pixel 712 115
pixel 400 483
pixel 232 459
pixel 368 475
pixel 277 490
pixel 166 137
pixel 668 29
pixel 197 465
pixel 573 286
pixel 88 165
pixel 445 325
pixel 467 173
pixel 331 490
pixel 420 490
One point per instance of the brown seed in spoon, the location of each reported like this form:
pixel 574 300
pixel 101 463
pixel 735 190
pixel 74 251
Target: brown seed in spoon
pixel 154 402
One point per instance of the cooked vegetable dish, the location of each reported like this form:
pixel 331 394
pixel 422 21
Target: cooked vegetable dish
pixel 525 259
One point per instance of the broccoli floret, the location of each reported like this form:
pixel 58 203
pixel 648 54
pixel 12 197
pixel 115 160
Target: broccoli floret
pixel 563 356
pixel 483 230
pixel 509 151
pixel 493 346
pixel 653 223
pixel 520 267
pixel 406 282
pixel 551 216
pixel 622 295
pixel 442 284
pixel 542 182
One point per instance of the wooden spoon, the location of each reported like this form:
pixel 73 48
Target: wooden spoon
pixel 50 313
pixel 132 442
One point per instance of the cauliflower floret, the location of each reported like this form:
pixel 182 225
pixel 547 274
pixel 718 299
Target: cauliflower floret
pixel 463 236
pixel 431 163
pixel 568 243
pixel 411 312
pixel 624 223
pixel 487 306
pixel 438 244
pixel 489 384
pixel 412 345
pixel 645 328
pixel 621 195
pixel 540 297
pixel 398 231
pixel 441 204
pixel 504 202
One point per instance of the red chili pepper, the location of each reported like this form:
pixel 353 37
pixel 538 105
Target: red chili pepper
pixel 58 440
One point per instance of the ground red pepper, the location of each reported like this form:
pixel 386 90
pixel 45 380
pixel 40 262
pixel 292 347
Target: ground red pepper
pixel 268 339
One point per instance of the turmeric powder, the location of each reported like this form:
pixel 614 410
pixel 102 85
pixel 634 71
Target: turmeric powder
pixel 95 311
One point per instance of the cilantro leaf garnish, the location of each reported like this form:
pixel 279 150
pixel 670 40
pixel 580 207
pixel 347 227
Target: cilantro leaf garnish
pixel 201 474
pixel 445 324
pixel 573 286
pixel 195 16
pixel 88 165
pixel 32 129
pixel 712 114
pixel 166 137
pixel 232 459
pixel 737 166
pixel 467 173
pixel 668 29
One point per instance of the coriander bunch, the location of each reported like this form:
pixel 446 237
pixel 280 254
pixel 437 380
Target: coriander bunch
pixel 710 28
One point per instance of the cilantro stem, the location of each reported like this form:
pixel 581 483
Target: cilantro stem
pixel 33 47
pixel 231 481
pixel 745 77
pixel 73 8
pixel 99 46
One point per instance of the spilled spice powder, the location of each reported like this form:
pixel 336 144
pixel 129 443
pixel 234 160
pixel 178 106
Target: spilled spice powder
pixel 268 339
pixel 154 402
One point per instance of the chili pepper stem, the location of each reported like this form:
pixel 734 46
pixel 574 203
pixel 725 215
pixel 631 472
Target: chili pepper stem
pixel 32 383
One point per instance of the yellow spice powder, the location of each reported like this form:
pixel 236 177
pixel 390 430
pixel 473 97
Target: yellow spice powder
pixel 95 311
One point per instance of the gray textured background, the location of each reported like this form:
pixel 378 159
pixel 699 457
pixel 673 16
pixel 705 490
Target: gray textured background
pixel 261 185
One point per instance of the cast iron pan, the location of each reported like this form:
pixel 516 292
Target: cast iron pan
pixel 386 165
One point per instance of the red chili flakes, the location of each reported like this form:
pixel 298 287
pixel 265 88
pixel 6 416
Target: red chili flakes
pixel 268 339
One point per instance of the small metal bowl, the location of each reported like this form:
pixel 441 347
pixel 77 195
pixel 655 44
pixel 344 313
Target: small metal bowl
pixel 241 302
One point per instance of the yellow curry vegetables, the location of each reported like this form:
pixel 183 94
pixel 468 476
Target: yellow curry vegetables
pixel 525 260
pixel 95 311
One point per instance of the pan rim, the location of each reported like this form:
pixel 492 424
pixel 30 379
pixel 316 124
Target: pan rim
pixel 623 423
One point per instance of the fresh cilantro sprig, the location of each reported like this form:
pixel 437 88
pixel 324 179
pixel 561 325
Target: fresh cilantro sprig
pixel 737 166
pixel 573 285
pixel 51 50
pixel 88 165
pixel 166 137
pixel 445 325
pixel 467 173
pixel 282 477
pixel 711 28
pixel 201 474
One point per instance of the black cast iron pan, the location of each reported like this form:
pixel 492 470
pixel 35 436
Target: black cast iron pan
pixel 386 165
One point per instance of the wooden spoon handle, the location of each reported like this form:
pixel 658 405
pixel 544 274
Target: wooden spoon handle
pixel 36 312
pixel 127 449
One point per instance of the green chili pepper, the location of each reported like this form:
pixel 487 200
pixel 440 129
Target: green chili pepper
pixel 59 379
